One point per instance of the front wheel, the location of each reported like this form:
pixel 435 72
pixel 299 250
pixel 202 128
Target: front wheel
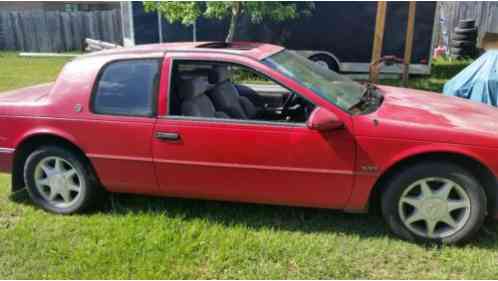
pixel 434 202
pixel 60 181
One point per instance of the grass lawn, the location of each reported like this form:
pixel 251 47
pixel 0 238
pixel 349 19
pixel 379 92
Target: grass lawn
pixel 137 237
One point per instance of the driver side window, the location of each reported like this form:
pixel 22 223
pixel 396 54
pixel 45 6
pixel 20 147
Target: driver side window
pixel 204 89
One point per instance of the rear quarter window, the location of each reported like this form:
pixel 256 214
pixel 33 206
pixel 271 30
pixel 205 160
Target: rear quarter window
pixel 127 88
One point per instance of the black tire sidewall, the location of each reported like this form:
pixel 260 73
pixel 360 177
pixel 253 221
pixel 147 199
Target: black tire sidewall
pixel 459 30
pixel 463 44
pixel 467 24
pixel 398 185
pixel 464 36
pixel 77 163
pixel 461 51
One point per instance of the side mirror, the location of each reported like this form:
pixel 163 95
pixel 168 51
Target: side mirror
pixel 323 120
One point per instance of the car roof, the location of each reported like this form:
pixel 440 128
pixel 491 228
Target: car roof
pixel 253 50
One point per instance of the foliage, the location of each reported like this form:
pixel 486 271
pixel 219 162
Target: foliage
pixel 448 68
pixel 442 70
pixel 187 12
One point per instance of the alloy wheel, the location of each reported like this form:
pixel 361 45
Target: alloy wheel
pixel 58 182
pixel 434 207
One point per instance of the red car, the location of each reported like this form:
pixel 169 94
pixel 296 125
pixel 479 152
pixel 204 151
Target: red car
pixel 251 122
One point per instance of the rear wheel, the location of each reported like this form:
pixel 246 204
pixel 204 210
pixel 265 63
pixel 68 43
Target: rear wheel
pixel 434 202
pixel 60 181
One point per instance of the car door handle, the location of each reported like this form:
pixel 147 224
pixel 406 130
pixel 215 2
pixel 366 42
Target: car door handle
pixel 167 136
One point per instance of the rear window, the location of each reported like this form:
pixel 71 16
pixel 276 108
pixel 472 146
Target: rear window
pixel 127 88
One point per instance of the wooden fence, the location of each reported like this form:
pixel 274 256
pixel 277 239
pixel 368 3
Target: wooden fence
pixel 54 31
pixel 485 14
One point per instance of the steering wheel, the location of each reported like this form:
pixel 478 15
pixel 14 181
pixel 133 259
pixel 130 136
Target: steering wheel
pixel 291 99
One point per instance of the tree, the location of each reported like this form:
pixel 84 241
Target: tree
pixel 187 12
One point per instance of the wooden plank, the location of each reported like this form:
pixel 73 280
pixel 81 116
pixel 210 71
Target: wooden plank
pixel 380 21
pixel 66 31
pixel 10 32
pixel 104 26
pixel 55 28
pixel 31 31
pixel 91 26
pixel 2 35
pixel 77 27
pixel 16 22
pixel 46 34
pixel 409 41
pixel 101 26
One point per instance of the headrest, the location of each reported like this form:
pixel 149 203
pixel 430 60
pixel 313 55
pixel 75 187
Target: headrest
pixel 191 88
pixel 218 74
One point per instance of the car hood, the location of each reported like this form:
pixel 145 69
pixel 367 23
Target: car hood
pixel 420 115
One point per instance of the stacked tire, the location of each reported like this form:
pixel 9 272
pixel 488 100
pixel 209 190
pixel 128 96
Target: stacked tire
pixel 463 41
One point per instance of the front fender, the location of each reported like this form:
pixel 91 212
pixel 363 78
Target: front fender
pixel 382 155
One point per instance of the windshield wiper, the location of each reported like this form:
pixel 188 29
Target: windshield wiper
pixel 368 96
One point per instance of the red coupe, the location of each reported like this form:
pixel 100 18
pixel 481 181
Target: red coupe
pixel 251 122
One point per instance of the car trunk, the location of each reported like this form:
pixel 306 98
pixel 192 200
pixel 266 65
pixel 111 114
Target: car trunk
pixel 30 95
pixel 25 100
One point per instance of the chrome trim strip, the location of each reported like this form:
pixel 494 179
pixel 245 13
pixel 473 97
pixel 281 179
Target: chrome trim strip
pixel 232 165
pixel 116 157
pixel 259 167
pixel 7 150
pixel 223 165
pixel 232 121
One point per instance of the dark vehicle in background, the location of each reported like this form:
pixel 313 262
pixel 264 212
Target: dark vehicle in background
pixel 338 35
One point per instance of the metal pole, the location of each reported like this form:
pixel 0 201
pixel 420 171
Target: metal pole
pixel 160 26
pixel 194 31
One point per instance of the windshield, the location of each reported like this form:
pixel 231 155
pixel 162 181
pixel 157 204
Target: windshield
pixel 338 89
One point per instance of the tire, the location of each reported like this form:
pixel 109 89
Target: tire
pixel 459 30
pixel 463 44
pixel 52 171
pixel 467 23
pixel 464 52
pixel 464 37
pixel 408 185
pixel 325 60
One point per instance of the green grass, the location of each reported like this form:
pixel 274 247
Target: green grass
pixel 16 72
pixel 137 237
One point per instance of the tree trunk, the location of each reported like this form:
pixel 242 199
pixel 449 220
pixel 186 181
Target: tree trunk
pixel 233 22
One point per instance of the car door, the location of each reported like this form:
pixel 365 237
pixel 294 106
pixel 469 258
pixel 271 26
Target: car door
pixel 250 161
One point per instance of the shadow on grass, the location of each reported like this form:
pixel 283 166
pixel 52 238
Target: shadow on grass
pixel 306 220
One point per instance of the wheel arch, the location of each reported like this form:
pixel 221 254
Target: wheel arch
pixel 34 140
pixel 328 54
pixel 481 172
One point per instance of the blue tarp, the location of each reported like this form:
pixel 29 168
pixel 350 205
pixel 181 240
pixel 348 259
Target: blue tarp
pixel 478 81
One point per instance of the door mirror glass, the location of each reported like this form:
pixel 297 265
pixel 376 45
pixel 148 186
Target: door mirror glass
pixel 322 119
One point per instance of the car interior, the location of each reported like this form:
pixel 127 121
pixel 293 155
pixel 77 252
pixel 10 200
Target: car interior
pixel 229 91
